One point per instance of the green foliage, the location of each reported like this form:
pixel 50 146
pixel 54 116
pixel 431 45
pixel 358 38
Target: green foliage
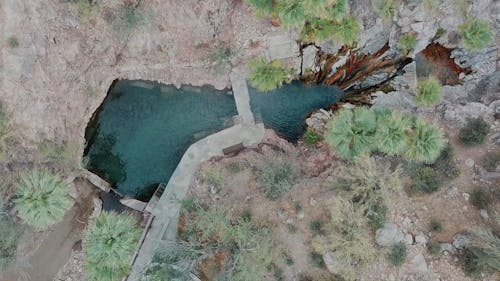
pixel 128 19
pixel 13 42
pixel 316 30
pixel 446 165
pixel 348 236
pixel 391 137
pixel 484 249
pixel 425 142
pixel 384 8
pixel 491 160
pixel 262 7
pixel 88 9
pixel 474 132
pixel 368 185
pixel 407 43
pixel 429 92
pixel 219 58
pixel 9 238
pixel 435 226
pixel 212 175
pixel 434 248
pixel 480 199
pixel 110 240
pixel 63 157
pixel 277 177
pixel 291 13
pixel 268 76
pixel 397 255
pixel 425 180
pixel 316 227
pixel 236 167
pixel 42 198
pixel 351 132
pixel 346 31
pixel 476 34
pixel 317 260
pixel 311 138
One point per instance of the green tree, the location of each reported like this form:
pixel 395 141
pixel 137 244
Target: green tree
pixel 316 30
pixel 425 142
pixel 346 31
pixel 109 243
pixel 291 13
pixel 351 132
pixel 42 198
pixel 429 92
pixel 268 76
pixel 476 34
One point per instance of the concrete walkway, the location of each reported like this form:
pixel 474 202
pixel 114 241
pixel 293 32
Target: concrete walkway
pixel 165 212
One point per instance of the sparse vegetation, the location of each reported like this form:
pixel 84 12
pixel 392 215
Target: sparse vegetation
pixel 480 199
pixel 212 175
pixel 128 19
pixel 316 227
pixel 474 132
pixel 219 58
pixel 483 251
pixel 434 248
pixel 384 8
pixel 109 243
pixel 311 138
pixel 407 43
pixel 346 31
pixel 429 92
pixel 277 178
pixel 236 167
pixel 317 260
pixel 42 198
pixel 62 157
pixel 88 9
pixel 13 42
pixel 436 226
pixel 491 160
pixel 476 34
pixel 268 76
pixel 446 165
pixel 425 180
pixel 397 255
pixel 9 238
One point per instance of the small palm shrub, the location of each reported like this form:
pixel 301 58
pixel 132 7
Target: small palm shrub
pixel 425 180
pixel 391 137
pixel 291 13
pixel 268 76
pixel 316 30
pixel 110 240
pixel 311 138
pixel 346 31
pixel 474 132
pixel 351 132
pixel 384 8
pixel 9 238
pixel 407 43
pixel 476 34
pixel 483 250
pixel 42 198
pixel 480 199
pixel 491 160
pixel 397 255
pixel 277 178
pixel 425 142
pixel 429 92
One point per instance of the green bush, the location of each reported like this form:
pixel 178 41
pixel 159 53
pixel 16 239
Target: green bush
pixel 483 250
pixel 212 175
pixel 219 58
pixel 317 260
pixel 446 165
pixel 236 167
pixel 480 199
pixel 384 8
pixel 311 138
pixel 346 31
pixel 268 76
pixel 277 178
pixel 9 238
pixel 476 34
pixel 474 132
pixel 434 248
pixel 42 198
pixel 429 92
pixel 291 13
pixel 63 157
pixel 316 30
pixel 435 226
pixel 425 180
pixel 391 137
pixel 398 254
pixel 316 227
pixel 13 42
pixel 407 43
pixel 425 142
pixel 262 7
pixel 110 240
pixel 128 19
pixel 491 160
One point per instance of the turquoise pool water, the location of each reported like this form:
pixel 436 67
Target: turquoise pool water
pixel 143 128
pixel 286 109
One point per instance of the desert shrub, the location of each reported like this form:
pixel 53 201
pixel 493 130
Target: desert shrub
pixel 317 260
pixel 311 138
pixel 88 9
pixel 316 30
pixel 474 132
pixel 219 58
pixel 483 250
pixel 13 42
pixel 425 142
pixel 348 236
pixel 435 226
pixel 446 165
pixel 434 248
pixel 288 259
pixel 425 180
pixel 110 240
pixel 213 224
pixel 212 175
pixel 291 13
pixel 480 199
pixel 236 167
pixel 9 238
pixel 384 8
pixel 390 137
pixel 42 198
pixel 128 19
pixel 407 43
pixel 429 92
pixel 368 186
pixel 476 34
pixel 316 227
pixel 277 177
pixel 346 31
pixel 262 7
pixel 491 160
pixel 63 157
pixel 351 132
pixel 397 255
pixel 268 76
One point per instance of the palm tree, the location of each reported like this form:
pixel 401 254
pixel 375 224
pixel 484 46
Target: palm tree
pixel 476 34
pixel 425 142
pixel 391 135
pixel 346 31
pixel 109 243
pixel 42 198
pixel 267 76
pixel 429 92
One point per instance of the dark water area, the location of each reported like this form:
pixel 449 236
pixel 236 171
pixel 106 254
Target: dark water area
pixel 286 109
pixel 142 129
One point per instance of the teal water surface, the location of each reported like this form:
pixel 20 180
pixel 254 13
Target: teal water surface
pixel 285 109
pixel 143 128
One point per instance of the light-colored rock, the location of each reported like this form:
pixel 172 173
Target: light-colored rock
pixel 447 247
pixel 333 262
pixel 408 239
pixel 418 263
pixel 466 196
pixel 97 204
pixel 420 239
pixel 484 214
pixel 460 241
pixel 309 58
pixel 134 204
pixel 390 235
pixel 469 163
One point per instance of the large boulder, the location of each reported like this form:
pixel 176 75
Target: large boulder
pixel 333 262
pixel 391 235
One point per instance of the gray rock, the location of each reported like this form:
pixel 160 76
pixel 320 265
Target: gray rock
pixel 333 262
pixel 484 214
pixel 309 58
pixel 389 235
pixel 408 239
pixel 460 241
pixel 447 247
pixel 418 263
pixel 469 163
pixel 466 196
pixel 420 239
